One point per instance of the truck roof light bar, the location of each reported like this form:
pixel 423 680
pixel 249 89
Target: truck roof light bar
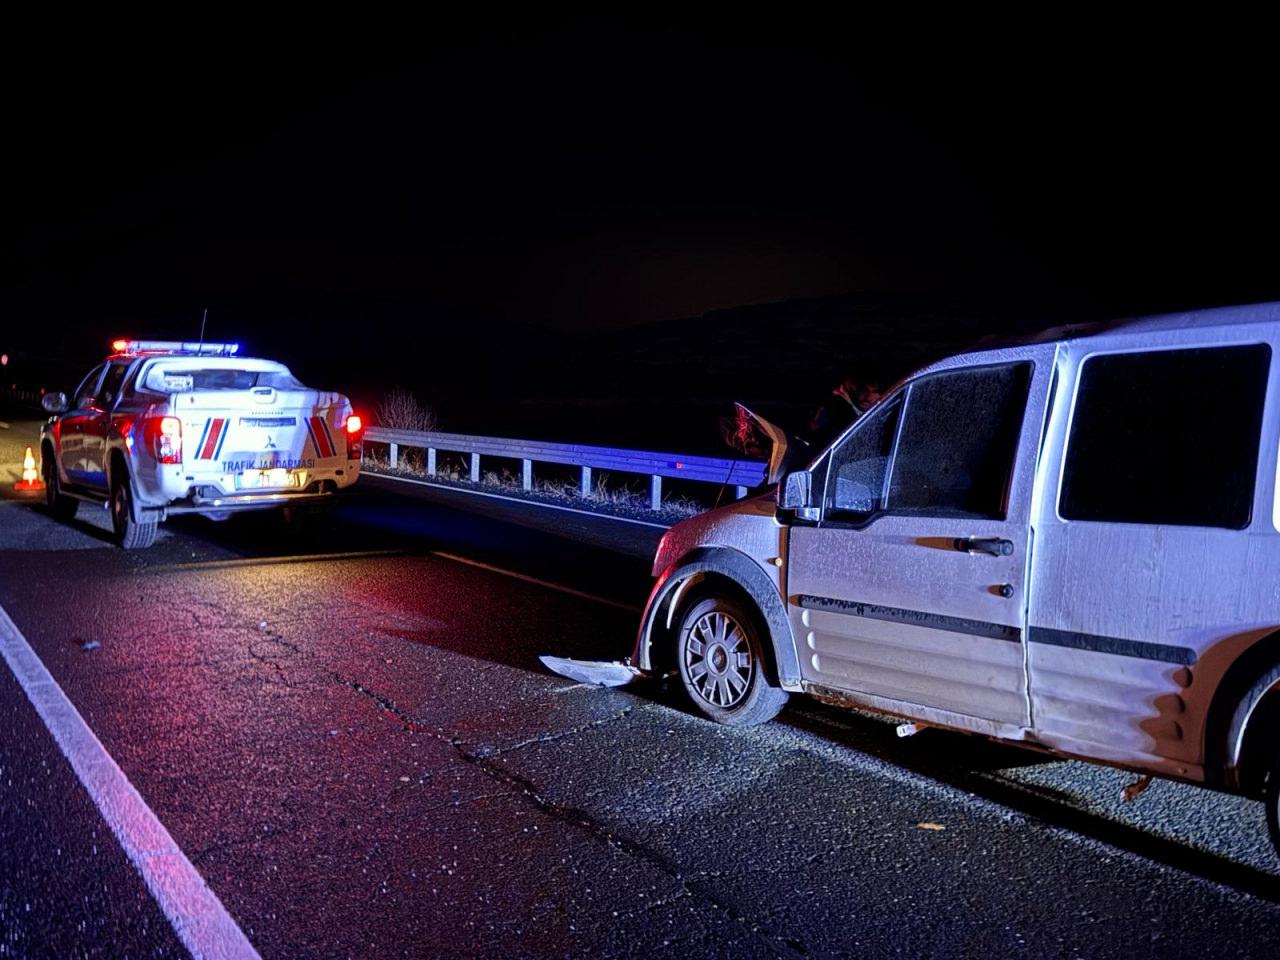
pixel 175 347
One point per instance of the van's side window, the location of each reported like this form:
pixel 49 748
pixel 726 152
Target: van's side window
pixel 958 441
pixel 860 464
pixel 1167 437
pixel 954 450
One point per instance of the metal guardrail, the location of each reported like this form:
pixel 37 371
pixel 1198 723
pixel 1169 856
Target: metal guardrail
pixel 737 473
pixel 21 394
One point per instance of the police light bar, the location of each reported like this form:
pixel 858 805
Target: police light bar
pixel 175 346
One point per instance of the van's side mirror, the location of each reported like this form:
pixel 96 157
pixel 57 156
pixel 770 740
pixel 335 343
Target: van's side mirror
pixel 793 491
pixel 54 402
pixel 795 495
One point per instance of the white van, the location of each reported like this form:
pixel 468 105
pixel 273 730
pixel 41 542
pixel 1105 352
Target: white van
pixel 1073 545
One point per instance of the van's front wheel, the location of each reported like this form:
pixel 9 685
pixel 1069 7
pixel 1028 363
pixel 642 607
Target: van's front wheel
pixel 722 666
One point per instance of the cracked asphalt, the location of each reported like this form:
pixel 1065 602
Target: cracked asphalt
pixel 349 734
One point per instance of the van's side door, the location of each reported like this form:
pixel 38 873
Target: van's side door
pixel 911 588
pixel 1156 530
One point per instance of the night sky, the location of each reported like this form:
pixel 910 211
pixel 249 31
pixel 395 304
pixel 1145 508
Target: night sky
pixel 472 189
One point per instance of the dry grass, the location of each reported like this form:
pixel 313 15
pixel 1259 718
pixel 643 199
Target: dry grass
pixel 401 410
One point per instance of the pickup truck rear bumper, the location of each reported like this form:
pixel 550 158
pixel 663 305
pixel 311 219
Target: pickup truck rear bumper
pixel 238 502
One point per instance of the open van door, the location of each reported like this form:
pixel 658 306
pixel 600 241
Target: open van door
pixel 753 435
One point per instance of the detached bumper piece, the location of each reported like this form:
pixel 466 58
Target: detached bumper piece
pixel 599 673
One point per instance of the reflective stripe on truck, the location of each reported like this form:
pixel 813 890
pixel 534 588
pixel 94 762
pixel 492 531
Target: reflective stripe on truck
pixel 321 439
pixel 211 440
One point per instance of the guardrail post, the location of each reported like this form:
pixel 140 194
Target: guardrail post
pixel 431 461
pixel 742 492
pixel 394 454
pixel 655 492
pixel 526 474
pixel 586 481
pixel 475 468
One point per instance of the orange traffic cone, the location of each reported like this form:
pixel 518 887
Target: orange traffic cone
pixel 30 479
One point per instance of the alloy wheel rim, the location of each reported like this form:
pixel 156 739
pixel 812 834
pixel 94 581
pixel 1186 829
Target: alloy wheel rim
pixel 718 661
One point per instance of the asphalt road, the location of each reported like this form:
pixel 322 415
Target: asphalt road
pixel 349 734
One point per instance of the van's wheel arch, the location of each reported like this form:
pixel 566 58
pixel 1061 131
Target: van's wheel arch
pixel 1272 797
pixel 1259 770
pixel 691 589
pixel 131 532
pixel 723 657
pixel 1245 727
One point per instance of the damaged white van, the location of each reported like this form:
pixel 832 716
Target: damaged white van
pixel 1072 545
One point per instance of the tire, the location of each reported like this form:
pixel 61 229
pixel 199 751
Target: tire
pixel 59 504
pixel 130 533
pixel 721 661
pixel 1273 802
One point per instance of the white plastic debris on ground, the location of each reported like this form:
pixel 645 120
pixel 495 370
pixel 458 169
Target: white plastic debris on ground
pixel 600 673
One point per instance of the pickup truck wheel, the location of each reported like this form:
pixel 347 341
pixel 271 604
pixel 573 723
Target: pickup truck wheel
pixel 722 666
pixel 59 504
pixel 130 534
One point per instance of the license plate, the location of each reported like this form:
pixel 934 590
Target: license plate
pixel 277 478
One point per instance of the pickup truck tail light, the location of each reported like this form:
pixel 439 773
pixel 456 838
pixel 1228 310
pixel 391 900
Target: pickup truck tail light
pixel 164 438
pixel 355 438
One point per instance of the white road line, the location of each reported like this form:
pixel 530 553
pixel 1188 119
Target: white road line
pixel 3 425
pixel 523 500
pixel 534 580
pixel 197 916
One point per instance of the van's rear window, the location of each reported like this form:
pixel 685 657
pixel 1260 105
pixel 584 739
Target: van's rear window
pixel 1167 437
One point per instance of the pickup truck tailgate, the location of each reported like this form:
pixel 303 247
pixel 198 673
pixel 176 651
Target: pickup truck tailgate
pixel 262 428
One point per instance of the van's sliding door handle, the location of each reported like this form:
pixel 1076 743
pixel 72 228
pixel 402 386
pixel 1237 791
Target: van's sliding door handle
pixel 992 546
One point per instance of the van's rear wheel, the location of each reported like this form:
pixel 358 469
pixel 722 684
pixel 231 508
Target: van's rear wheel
pixel 1273 802
pixel 131 534
pixel 59 504
pixel 722 665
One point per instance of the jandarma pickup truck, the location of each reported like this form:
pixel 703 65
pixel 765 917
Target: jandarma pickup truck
pixel 1070 545
pixel 162 428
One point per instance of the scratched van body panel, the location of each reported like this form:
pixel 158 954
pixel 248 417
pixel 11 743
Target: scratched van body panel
pixel 1134 624
pixel 1072 544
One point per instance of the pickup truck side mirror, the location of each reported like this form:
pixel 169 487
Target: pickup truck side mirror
pixel 54 402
